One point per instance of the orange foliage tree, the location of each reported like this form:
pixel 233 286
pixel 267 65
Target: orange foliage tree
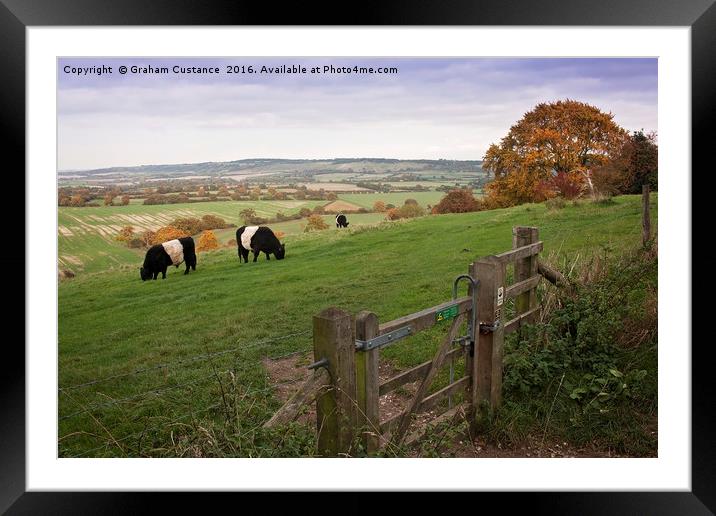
pixel 379 206
pixel 315 223
pixel 457 201
pixel 207 241
pixel 166 233
pixel 552 149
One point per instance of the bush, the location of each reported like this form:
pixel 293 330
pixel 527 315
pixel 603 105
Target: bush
pixel 315 223
pixel 458 201
pixel 304 212
pixel 190 225
pixel 207 241
pixel 167 233
pixel 125 234
pixel 213 222
pixel 379 206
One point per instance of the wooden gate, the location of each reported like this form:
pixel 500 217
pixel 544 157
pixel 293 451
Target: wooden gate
pixel 347 399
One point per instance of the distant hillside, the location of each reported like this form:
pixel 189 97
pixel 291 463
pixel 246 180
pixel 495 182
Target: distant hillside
pixel 293 166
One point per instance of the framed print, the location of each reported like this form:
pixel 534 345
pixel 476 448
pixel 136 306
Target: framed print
pixel 372 172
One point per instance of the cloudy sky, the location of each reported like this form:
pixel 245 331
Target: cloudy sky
pixel 451 108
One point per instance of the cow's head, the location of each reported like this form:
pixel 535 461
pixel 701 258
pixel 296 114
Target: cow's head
pixel 280 252
pixel 145 274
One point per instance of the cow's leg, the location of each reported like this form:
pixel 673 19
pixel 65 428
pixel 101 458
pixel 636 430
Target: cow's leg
pixel 268 257
pixel 187 269
pixel 164 273
pixel 155 274
pixel 256 254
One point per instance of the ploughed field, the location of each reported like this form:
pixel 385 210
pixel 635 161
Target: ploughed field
pixel 139 361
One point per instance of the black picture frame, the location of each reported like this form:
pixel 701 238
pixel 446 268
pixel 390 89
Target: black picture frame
pixel 16 15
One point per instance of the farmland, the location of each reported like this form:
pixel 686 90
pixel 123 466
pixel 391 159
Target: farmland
pixel 111 323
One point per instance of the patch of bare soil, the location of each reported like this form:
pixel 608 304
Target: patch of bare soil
pixel 292 368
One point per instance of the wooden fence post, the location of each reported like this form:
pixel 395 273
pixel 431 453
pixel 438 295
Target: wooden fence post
pixel 367 382
pixel 525 268
pixel 487 363
pixel 645 216
pixel 333 339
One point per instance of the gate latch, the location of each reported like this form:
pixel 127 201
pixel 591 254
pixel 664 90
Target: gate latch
pixel 486 328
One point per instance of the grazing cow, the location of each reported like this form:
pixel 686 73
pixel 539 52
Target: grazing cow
pixel 341 221
pixel 258 239
pixel 161 256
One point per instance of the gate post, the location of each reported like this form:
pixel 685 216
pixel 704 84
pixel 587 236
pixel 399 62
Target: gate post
pixel 333 339
pixel 487 362
pixel 525 268
pixel 367 382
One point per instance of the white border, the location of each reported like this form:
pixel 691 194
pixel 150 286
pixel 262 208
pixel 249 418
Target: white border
pixel 670 471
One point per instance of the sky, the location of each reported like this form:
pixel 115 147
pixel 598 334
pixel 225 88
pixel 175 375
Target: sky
pixel 432 108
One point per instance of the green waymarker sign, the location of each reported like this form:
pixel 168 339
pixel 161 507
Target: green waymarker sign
pixel 446 313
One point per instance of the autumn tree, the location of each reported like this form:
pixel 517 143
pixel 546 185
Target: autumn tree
pixel 379 206
pixel 125 200
pixel 304 212
pixel 551 151
pixel 331 196
pixel 248 215
pixel 315 223
pixel 207 241
pixel 459 200
pixel 108 198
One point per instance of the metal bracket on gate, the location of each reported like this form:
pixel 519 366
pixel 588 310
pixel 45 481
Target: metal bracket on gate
pixel 489 327
pixel 383 340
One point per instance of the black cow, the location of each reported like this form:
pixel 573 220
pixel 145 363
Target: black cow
pixel 262 241
pixel 161 256
pixel 341 221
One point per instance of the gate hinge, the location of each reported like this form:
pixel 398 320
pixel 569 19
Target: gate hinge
pixel 383 340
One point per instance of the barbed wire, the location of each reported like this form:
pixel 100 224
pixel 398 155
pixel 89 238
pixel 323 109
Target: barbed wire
pixel 192 359
pixel 184 416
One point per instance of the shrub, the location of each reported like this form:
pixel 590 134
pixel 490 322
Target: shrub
pixel 319 210
pixel 125 200
pixel 410 201
pixel 213 222
pixel 304 212
pixel 190 225
pixel 125 234
pixel 379 206
pixel 458 201
pixel 315 223
pixel 166 233
pixel 207 241
pixel 392 214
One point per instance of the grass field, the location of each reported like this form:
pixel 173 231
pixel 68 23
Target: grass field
pixel 151 336
pixel 396 198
